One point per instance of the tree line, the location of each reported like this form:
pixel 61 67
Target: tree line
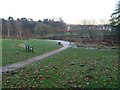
pixel 29 28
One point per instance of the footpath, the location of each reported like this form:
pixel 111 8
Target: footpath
pixel 17 65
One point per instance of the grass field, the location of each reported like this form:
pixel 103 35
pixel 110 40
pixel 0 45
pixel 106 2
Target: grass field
pixel 70 68
pixel 10 46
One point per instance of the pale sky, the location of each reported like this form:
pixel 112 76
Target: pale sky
pixel 71 11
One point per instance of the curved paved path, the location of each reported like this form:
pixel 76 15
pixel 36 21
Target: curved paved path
pixel 14 66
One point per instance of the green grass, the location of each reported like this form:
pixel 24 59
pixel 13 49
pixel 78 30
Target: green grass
pixel 65 70
pixel 10 46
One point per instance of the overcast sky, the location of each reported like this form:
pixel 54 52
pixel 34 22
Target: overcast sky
pixel 71 11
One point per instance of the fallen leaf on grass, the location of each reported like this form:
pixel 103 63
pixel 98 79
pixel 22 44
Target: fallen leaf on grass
pixel 87 77
pixel 71 81
pixel 91 69
pixel 54 67
pixel 86 83
pixel 74 85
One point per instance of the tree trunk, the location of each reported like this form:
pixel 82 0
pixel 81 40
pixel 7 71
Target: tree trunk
pixel 8 33
pixel 20 33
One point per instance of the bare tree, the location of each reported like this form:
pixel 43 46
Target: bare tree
pixel 18 27
pixel 8 25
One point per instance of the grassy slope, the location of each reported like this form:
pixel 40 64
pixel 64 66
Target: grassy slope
pixel 64 70
pixel 10 46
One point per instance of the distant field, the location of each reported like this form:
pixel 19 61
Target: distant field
pixel 70 68
pixel 10 46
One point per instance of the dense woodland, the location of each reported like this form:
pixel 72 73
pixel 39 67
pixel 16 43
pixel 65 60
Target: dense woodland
pixel 28 28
